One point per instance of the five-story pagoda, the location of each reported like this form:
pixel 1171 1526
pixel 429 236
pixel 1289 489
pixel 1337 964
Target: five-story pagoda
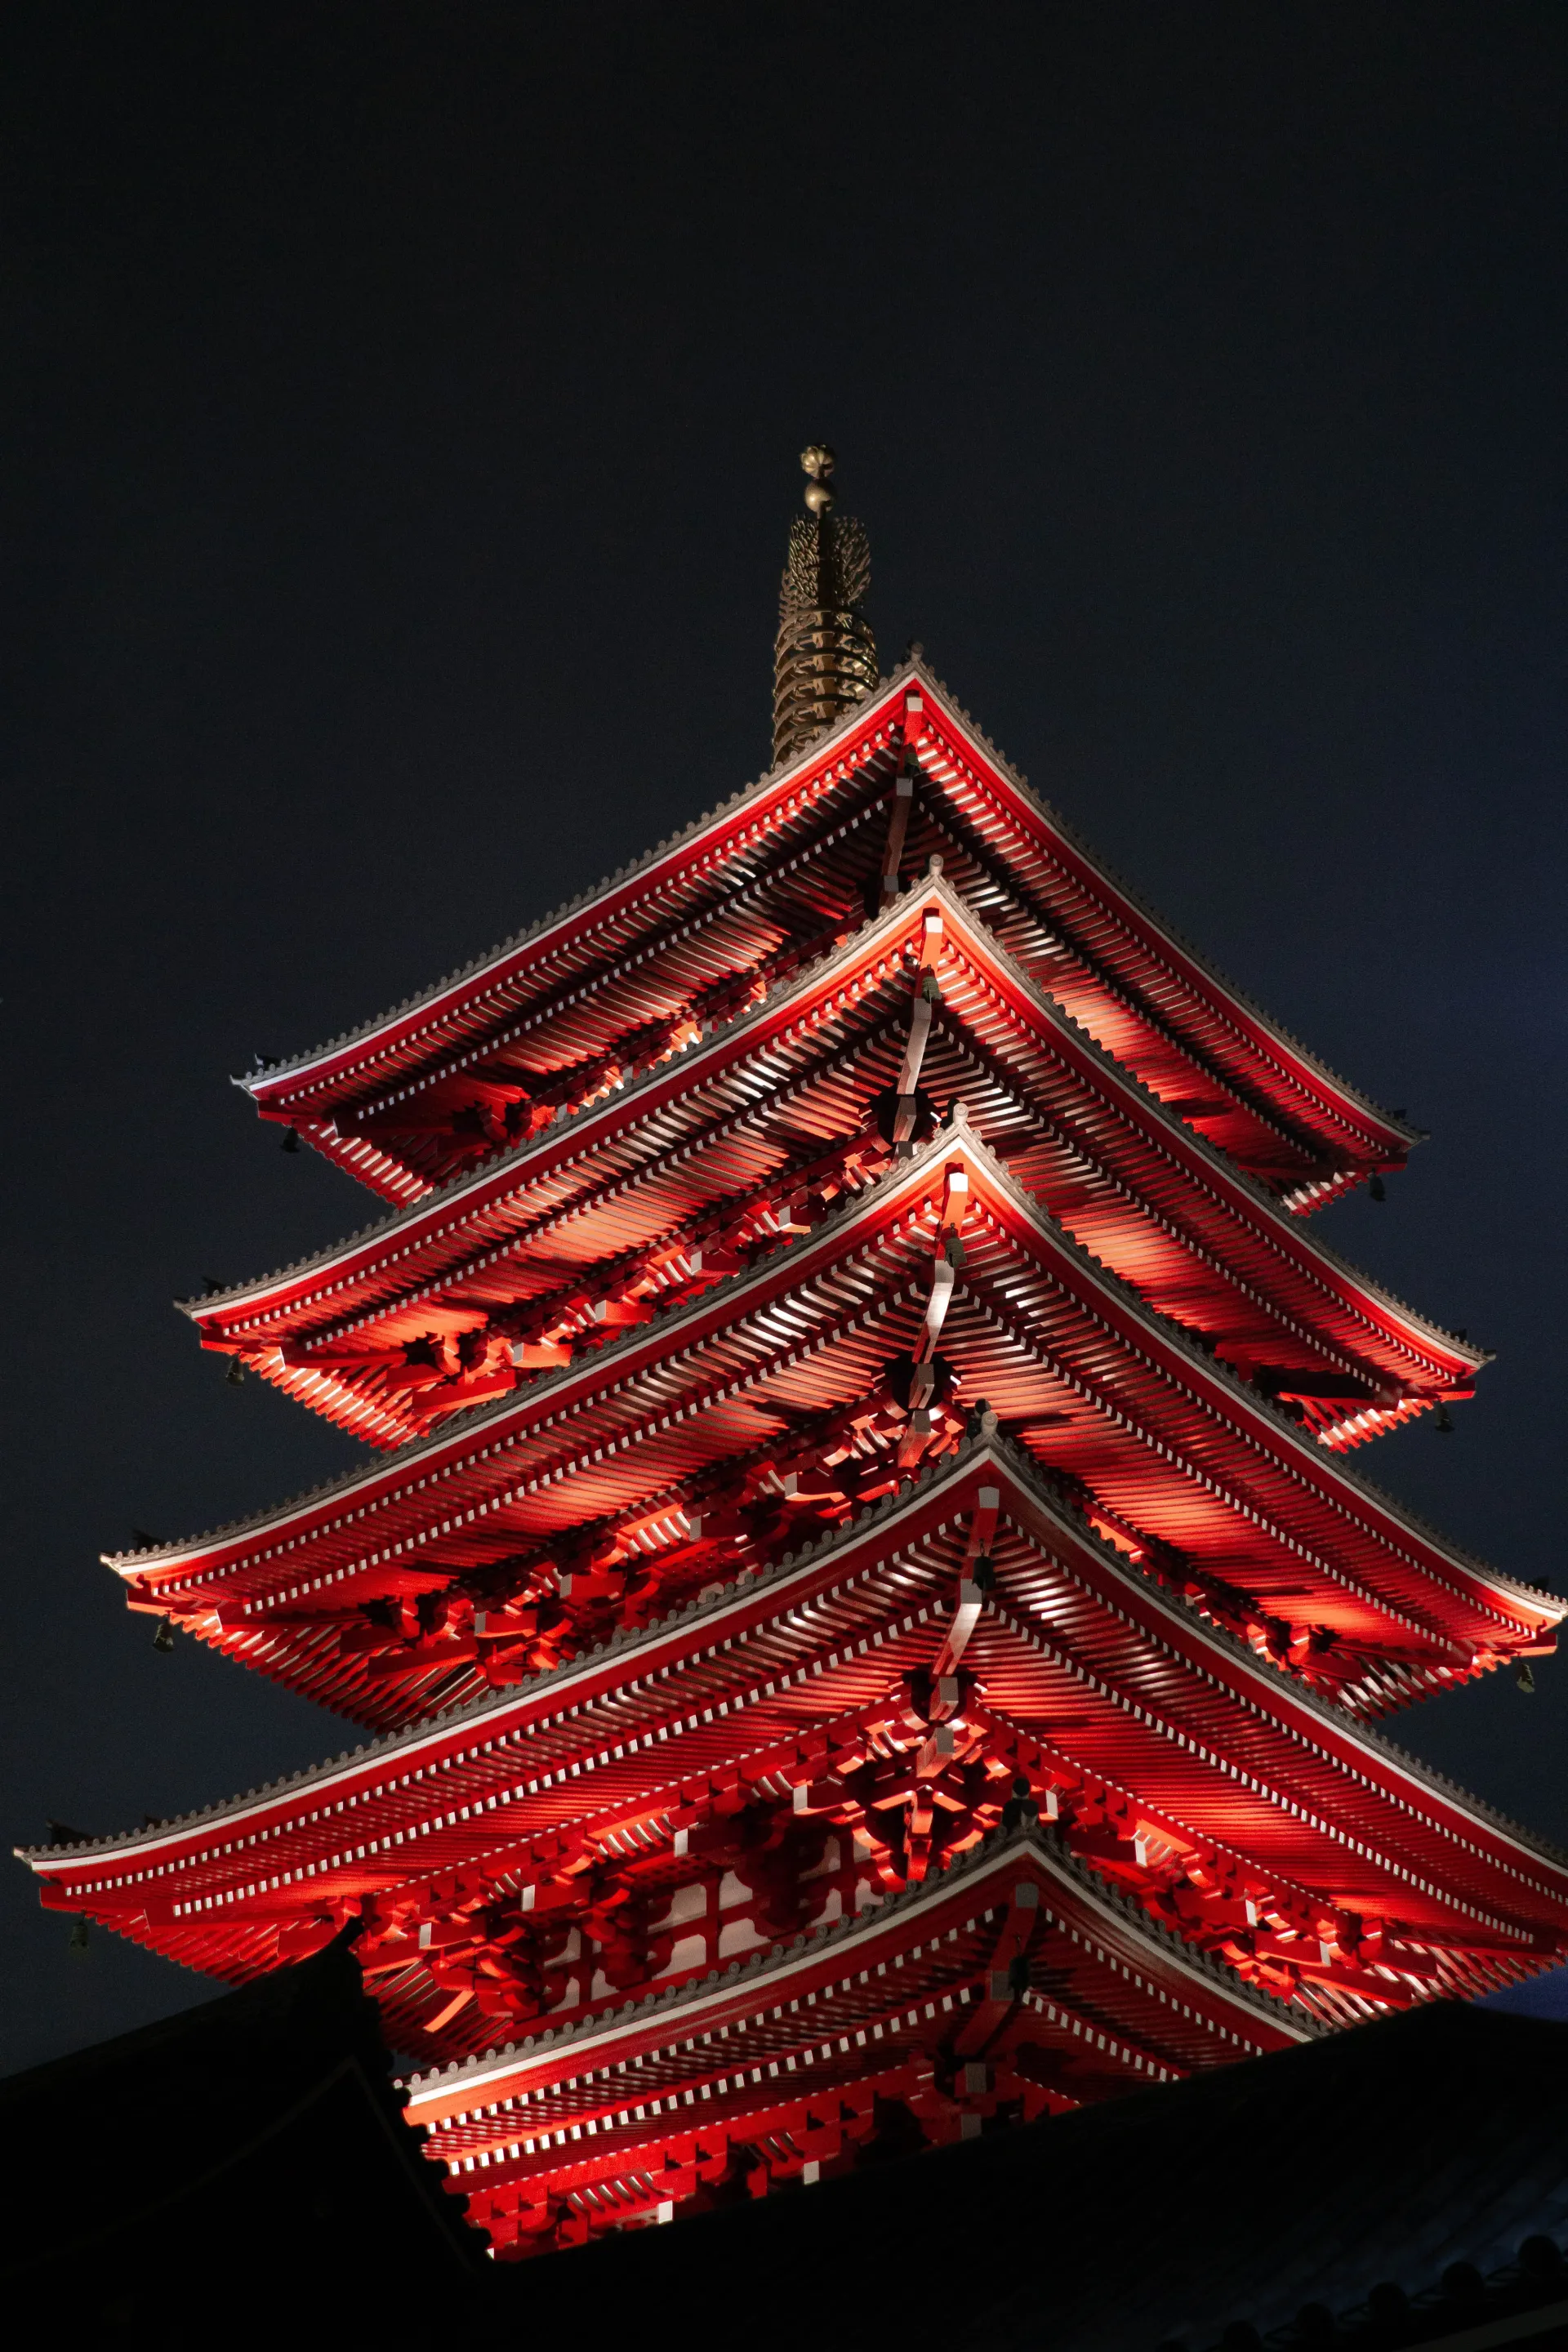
pixel 865 1620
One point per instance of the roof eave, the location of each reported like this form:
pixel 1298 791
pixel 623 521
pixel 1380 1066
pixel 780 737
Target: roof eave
pixel 441 1200
pixel 992 1453
pixel 589 904
pixel 957 1137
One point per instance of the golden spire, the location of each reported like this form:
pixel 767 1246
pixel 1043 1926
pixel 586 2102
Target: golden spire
pixel 824 657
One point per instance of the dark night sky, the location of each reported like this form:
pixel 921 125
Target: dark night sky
pixel 402 407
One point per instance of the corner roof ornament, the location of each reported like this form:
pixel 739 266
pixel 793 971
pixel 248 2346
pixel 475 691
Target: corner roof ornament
pixel 824 657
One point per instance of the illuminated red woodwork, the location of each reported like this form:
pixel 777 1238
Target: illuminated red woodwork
pixel 868 1617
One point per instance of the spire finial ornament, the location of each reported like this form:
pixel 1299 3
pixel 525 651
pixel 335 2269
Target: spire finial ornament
pixel 825 658
pixel 818 461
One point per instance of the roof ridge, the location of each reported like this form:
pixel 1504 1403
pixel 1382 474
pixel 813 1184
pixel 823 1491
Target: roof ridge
pixel 568 1119
pixel 1029 1474
pixel 495 1408
pixel 1134 896
pixel 1168 1328
pixel 1222 1160
pixel 491 1702
pixel 517 1154
pixel 853 716
pixel 1359 1727
pixel 914 666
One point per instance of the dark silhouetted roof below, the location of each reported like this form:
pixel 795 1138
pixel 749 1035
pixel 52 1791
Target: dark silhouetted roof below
pixel 247 2161
pixel 246 2156
pixel 1378 2158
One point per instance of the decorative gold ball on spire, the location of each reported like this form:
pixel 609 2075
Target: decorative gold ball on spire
pixel 818 461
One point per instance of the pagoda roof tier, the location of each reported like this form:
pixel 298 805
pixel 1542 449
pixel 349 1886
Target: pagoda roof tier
pixel 615 978
pixel 1015 1979
pixel 687 1447
pixel 615 1208
pixel 784 1715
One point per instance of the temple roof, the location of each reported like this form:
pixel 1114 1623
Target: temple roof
pixel 1134 985
pixel 760 1097
pixel 1103 1675
pixel 1159 1431
pixel 609 1661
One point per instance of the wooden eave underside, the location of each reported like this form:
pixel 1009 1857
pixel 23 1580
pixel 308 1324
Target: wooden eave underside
pixel 782 860
pixel 1110 1686
pixel 1094 1384
pixel 857 1991
pixel 731 1118
pixel 790 2067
